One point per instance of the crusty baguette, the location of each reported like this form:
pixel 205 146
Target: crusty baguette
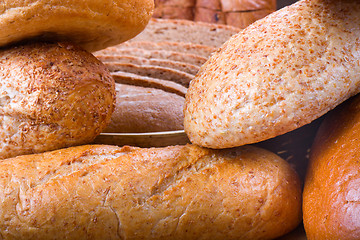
pixel 331 191
pixel 181 66
pixel 92 24
pixel 178 192
pixel 141 109
pixel 280 73
pixel 53 95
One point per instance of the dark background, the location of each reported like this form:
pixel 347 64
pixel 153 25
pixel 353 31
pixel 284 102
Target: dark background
pixel 282 3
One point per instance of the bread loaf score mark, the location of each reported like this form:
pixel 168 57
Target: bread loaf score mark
pixel 280 73
pixel 178 192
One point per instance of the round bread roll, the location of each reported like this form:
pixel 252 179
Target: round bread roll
pixel 53 95
pixel 331 192
pixel 92 24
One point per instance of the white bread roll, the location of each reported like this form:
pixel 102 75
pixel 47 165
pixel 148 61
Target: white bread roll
pixel 53 95
pixel 280 73
pixel 93 24
pixel 178 192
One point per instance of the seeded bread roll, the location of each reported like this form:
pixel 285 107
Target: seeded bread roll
pixel 279 74
pixel 331 192
pixel 178 192
pixel 92 24
pixel 53 95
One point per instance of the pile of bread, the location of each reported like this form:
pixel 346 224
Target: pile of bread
pixel 238 13
pixel 247 87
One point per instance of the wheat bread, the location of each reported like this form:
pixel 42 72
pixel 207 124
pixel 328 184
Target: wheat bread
pixel 280 73
pixel 181 66
pixel 185 47
pixel 160 30
pixel 138 80
pixel 142 109
pixel 159 54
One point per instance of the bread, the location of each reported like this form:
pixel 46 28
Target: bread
pixel 179 192
pixel 152 71
pixel 331 195
pixel 160 30
pixel 177 65
pixel 138 80
pixel 53 95
pixel 159 54
pixel 279 74
pixel 238 13
pixel 91 24
pixel 185 47
pixel 143 109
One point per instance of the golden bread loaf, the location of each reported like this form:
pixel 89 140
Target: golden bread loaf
pixel 53 95
pixel 331 192
pixel 278 74
pixel 92 24
pixel 178 192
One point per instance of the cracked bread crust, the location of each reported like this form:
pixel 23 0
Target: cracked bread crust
pixel 279 74
pixel 177 192
pixel 92 24
pixel 53 95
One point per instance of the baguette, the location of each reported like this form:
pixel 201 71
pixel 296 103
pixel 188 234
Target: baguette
pixel 178 192
pixel 279 74
pixel 331 195
pixel 53 95
pixel 91 24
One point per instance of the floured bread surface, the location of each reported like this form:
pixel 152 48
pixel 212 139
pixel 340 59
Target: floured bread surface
pixel 92 24
pixel 280 73
pixel 52 96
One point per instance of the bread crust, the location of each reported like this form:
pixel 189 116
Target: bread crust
pixel 53 95
pixel 178 192
pixel 279 74
pixel 331 196
pixel 92 24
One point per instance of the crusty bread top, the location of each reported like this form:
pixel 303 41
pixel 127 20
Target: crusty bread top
pixel 278 74
pixel 91 23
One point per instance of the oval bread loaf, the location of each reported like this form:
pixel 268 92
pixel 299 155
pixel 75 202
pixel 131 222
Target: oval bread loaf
pixel 278 74
pixel 178 192
pixel 92 24
pixel 53 95
pixel 331 192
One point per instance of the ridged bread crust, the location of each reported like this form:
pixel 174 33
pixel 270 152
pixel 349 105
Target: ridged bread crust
pixel 93 24
pixel 280 73
pixel 52 96
pixel 178 192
